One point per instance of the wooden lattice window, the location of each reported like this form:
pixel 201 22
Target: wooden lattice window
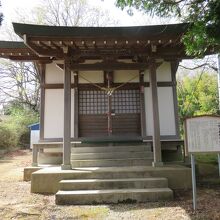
pixel 126 101
pixel 92 102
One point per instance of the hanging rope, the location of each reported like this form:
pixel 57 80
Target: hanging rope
pixel 111 90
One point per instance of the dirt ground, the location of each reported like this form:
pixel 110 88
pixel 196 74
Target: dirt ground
pixel 16 201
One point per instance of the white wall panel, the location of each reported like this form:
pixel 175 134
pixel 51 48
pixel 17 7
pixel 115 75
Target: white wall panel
pixel 92 76
pixel 146 76
pixel 121 76
pixel 53 118
pixel 166 111
pixel 54 74
pixel 163 73
pixel 54 109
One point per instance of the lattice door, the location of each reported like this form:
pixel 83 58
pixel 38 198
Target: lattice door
pixel 126 101
pixel 126 106
pixel 93 113
pixel 93 109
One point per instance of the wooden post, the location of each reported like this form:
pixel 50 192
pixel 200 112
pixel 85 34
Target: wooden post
pixel 109 81
pixel 35 156
pixel 156 121
pixel 41 69
pixel 67 116
pixel 142 105
pixel 174 67
pixel 76 106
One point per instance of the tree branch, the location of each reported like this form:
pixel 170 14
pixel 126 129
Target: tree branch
pixel 199 66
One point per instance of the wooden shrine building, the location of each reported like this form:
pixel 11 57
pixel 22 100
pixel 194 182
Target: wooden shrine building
pixel 104 85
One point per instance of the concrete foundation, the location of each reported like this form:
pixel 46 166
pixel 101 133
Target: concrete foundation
pixel 47 180
pixel 28 171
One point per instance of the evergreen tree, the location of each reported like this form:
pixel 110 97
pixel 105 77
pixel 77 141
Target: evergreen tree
pixel 203 15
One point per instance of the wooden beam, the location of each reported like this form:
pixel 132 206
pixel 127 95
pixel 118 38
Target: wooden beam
pixel 45 45
pixel 40 51
pixel 109 66
pixel 156 120
pixel 30 58
pixel 67 116
pixel 105 37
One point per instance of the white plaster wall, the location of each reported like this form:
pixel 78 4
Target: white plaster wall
pixel 92 76
pixel 166 111
pixel 54 74
pixel 121 76
pixel 53 119
pixel 163 73
pixel 54 113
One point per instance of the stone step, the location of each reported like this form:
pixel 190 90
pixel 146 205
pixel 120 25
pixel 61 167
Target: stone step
pixel 111 162
pixel 111 155
pixel 107 175
pixel 118 148
pixel 108 172
pixel 86 197
pixel 92 184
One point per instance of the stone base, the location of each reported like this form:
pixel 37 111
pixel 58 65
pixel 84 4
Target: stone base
pixel 47 179
pixel 66 167
pixel 28 171
pixel 157 164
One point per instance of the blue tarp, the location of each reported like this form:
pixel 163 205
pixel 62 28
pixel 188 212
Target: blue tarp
pixel 35 126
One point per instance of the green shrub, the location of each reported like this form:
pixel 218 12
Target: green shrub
pixel 211 158
pixel 8 138
pixel 14 131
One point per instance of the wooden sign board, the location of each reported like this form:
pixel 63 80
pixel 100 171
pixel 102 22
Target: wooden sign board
pixel 202 134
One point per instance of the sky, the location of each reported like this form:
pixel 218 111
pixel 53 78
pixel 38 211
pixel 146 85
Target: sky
pixel 9 6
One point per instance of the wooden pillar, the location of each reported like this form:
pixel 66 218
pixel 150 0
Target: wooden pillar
pixel 67 116
pixel 41 70
pixel 76 105
pixel 156 121
pixel 109 76
pixel 174 67
pixel 142 104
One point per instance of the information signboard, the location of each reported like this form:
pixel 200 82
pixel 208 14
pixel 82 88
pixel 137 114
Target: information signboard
pixel 202 134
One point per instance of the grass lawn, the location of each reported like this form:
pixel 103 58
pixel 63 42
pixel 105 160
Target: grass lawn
pixel 16 201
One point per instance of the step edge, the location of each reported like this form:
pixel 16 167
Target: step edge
pixel 109 191
pixel 112 180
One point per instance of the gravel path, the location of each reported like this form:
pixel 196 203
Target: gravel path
pixel 16 201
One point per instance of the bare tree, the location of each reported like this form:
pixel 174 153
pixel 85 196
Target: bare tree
pixel 67 13
pixel 21 81
pixel 207 64
pixel 1 15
